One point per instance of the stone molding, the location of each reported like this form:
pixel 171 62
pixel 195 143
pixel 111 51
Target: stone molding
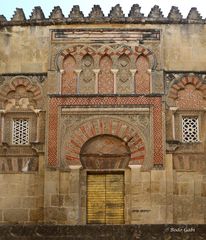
pixel 116 15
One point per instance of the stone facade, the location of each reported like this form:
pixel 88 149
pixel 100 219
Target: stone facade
pixel 95 95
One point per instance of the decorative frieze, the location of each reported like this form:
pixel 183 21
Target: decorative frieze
pixel 34 77
pixel 97 35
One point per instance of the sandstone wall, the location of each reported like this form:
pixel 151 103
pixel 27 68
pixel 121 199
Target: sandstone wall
pixel 171 194
pixel 22 197
pixel 26 49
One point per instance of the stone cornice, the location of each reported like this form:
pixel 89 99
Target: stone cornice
pixel 116 15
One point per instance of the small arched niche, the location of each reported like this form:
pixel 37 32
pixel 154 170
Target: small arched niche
pixel 105 152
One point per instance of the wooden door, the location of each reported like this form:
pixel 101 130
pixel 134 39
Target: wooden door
pixel 105 198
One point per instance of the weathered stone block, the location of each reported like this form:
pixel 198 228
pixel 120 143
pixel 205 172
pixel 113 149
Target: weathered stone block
pixel 203 189
pixel 55 214
pixel 16 215
pixel 71 200
pixel 57 200
pixel 12 202
pixel 36 215
pixel 1 215
pixel 29 202
pixel 158 199
pixel 157 175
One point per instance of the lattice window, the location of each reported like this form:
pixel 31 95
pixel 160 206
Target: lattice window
pixel 20 131
pixel 190 129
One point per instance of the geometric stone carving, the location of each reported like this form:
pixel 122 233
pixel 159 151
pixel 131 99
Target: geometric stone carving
pixel 174 14
pixel 194 14
pixel 69 77
pixel 18 15
pixel 135 12
pixel 124 76
pixel 96 12
pixel 87 75
pixel 56 13
pixel 116 12
pixel 142 76
pixel 106 77
pixel 37 14
pixel 190 129
pixel 20 133
pixel 156 13
pixel 76 13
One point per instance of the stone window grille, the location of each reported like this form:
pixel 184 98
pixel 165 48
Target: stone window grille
pixel 20 132
pixel 190 129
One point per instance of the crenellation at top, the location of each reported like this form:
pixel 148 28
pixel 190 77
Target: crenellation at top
pixel 175 14
pixel 96 14
pixel 156 13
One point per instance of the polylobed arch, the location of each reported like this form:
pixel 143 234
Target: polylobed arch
pixel 193 80
pixel 17 81
pixel 188 93
pixel 106 50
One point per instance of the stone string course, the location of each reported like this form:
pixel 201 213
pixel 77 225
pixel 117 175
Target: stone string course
pixel 96 15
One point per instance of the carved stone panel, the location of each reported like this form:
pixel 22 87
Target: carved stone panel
pixel 87 75
pixel 125 83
